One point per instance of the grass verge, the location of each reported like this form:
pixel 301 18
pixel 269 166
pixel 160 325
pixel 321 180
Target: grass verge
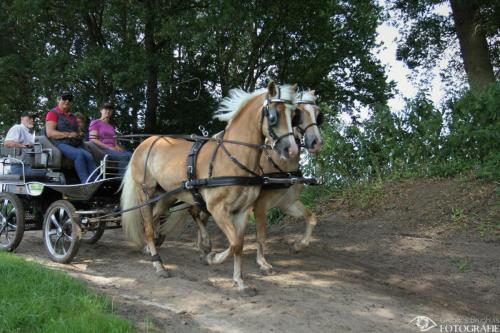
pixel 36 299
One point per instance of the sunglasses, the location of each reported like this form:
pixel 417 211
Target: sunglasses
pixel 67 98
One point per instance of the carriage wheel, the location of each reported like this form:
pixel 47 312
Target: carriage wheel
pixel 61 231
pixel 11 221
pixel 93 232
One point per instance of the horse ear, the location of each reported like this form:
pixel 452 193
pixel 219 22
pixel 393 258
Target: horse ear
pixel 313 92
pixel 295 87
pixel 271 88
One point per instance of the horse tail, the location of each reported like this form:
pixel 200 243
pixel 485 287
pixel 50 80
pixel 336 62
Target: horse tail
pixel 132 221
pixel 175 221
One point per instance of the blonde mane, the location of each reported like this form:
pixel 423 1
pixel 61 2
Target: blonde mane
pixel 231 105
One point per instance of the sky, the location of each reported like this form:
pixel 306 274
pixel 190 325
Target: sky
pixel 397 70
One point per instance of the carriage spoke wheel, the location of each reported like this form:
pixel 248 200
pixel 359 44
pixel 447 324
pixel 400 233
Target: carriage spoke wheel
pixel 11 221
pixel 61 231
pixel 93 232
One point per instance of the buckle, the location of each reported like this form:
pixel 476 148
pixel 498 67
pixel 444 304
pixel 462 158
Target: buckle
pixel 187 185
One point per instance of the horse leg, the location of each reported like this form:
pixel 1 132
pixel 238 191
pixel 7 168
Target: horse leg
pixel 240 222
pixel 299 210
pixel 234 234
pixel 147 215
pixel 204 244
pixel 260 210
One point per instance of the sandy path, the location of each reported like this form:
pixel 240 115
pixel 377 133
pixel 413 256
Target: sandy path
pixel 367 276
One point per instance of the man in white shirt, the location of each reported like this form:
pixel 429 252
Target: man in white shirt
pixel 20 135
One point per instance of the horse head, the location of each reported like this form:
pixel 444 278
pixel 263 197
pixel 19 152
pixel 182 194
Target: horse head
pixel 276 119
pixel 307 119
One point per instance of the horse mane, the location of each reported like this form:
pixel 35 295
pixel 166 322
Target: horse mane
pixel 231 105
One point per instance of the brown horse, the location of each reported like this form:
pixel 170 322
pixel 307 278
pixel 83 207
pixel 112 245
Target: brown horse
pixel 160 162
pixel 287 199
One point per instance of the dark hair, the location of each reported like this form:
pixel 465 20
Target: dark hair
pixel 108 106
pixel 27 114
pixel 65 93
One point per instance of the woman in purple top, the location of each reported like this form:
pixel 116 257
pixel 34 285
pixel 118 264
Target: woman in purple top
pixel 102 133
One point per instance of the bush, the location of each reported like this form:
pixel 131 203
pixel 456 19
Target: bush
pixel 422 141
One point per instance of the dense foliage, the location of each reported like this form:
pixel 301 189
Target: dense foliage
pixel 166 63
pixel 424 140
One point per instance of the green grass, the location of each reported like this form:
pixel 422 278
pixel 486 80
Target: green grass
pixel 36 299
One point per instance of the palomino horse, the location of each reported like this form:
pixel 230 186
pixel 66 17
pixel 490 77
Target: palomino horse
pixel 287 199
pixel 160 162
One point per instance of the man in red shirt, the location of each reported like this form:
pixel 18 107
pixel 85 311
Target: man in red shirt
pixel 62 129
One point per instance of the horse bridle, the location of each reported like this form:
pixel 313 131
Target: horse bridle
pixel 319 117
pixel 272 117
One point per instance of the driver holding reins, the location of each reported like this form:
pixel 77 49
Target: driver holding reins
pixel 62 129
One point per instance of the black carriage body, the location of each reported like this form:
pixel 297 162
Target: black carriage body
pixel 32 198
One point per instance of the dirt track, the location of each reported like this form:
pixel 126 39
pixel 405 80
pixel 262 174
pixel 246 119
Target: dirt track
pixel 372 275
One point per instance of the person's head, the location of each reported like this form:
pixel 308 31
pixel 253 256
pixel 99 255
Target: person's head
pixel 81 120
pixel 107 111
pixel 28 119
pixel 64 100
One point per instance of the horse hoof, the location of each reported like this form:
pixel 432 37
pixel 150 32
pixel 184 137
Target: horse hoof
pixel 248 291
pixel 209 258
pixel 296 247
pixel 164 274
pixel 267 271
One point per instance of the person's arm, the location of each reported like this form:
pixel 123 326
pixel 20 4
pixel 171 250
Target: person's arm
pixel 94 137
pixel 13 144
pixel 52 133
pixel 13 138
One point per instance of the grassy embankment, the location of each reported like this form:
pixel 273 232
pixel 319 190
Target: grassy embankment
pixel 36 299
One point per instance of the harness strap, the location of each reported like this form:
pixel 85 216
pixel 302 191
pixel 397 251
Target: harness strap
pixel 143 185
pixel 214 154
pixel 193 137
pixel 191 173
pixel 238 163
pixel 224 181
pixel 270 159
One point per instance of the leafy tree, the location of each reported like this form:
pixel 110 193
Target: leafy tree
pixel 426 35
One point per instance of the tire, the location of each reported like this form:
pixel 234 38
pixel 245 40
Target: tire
pixel 93 233
pixel 11 221
pixel 61 231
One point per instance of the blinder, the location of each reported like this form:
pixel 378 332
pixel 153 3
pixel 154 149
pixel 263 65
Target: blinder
pixel 272 116
pixel 320 119
pixel 298 117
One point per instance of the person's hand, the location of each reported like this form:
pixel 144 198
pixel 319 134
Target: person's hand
pixel 72 134
pixel 119 148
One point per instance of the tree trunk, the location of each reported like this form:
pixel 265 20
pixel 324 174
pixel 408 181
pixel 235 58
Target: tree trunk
pixel 473 44
pixel 150 122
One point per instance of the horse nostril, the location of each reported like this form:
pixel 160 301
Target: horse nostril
pixel 315 141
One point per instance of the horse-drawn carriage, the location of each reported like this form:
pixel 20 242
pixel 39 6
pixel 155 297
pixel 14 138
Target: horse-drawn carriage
pixel 45 195
pixel 222 176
